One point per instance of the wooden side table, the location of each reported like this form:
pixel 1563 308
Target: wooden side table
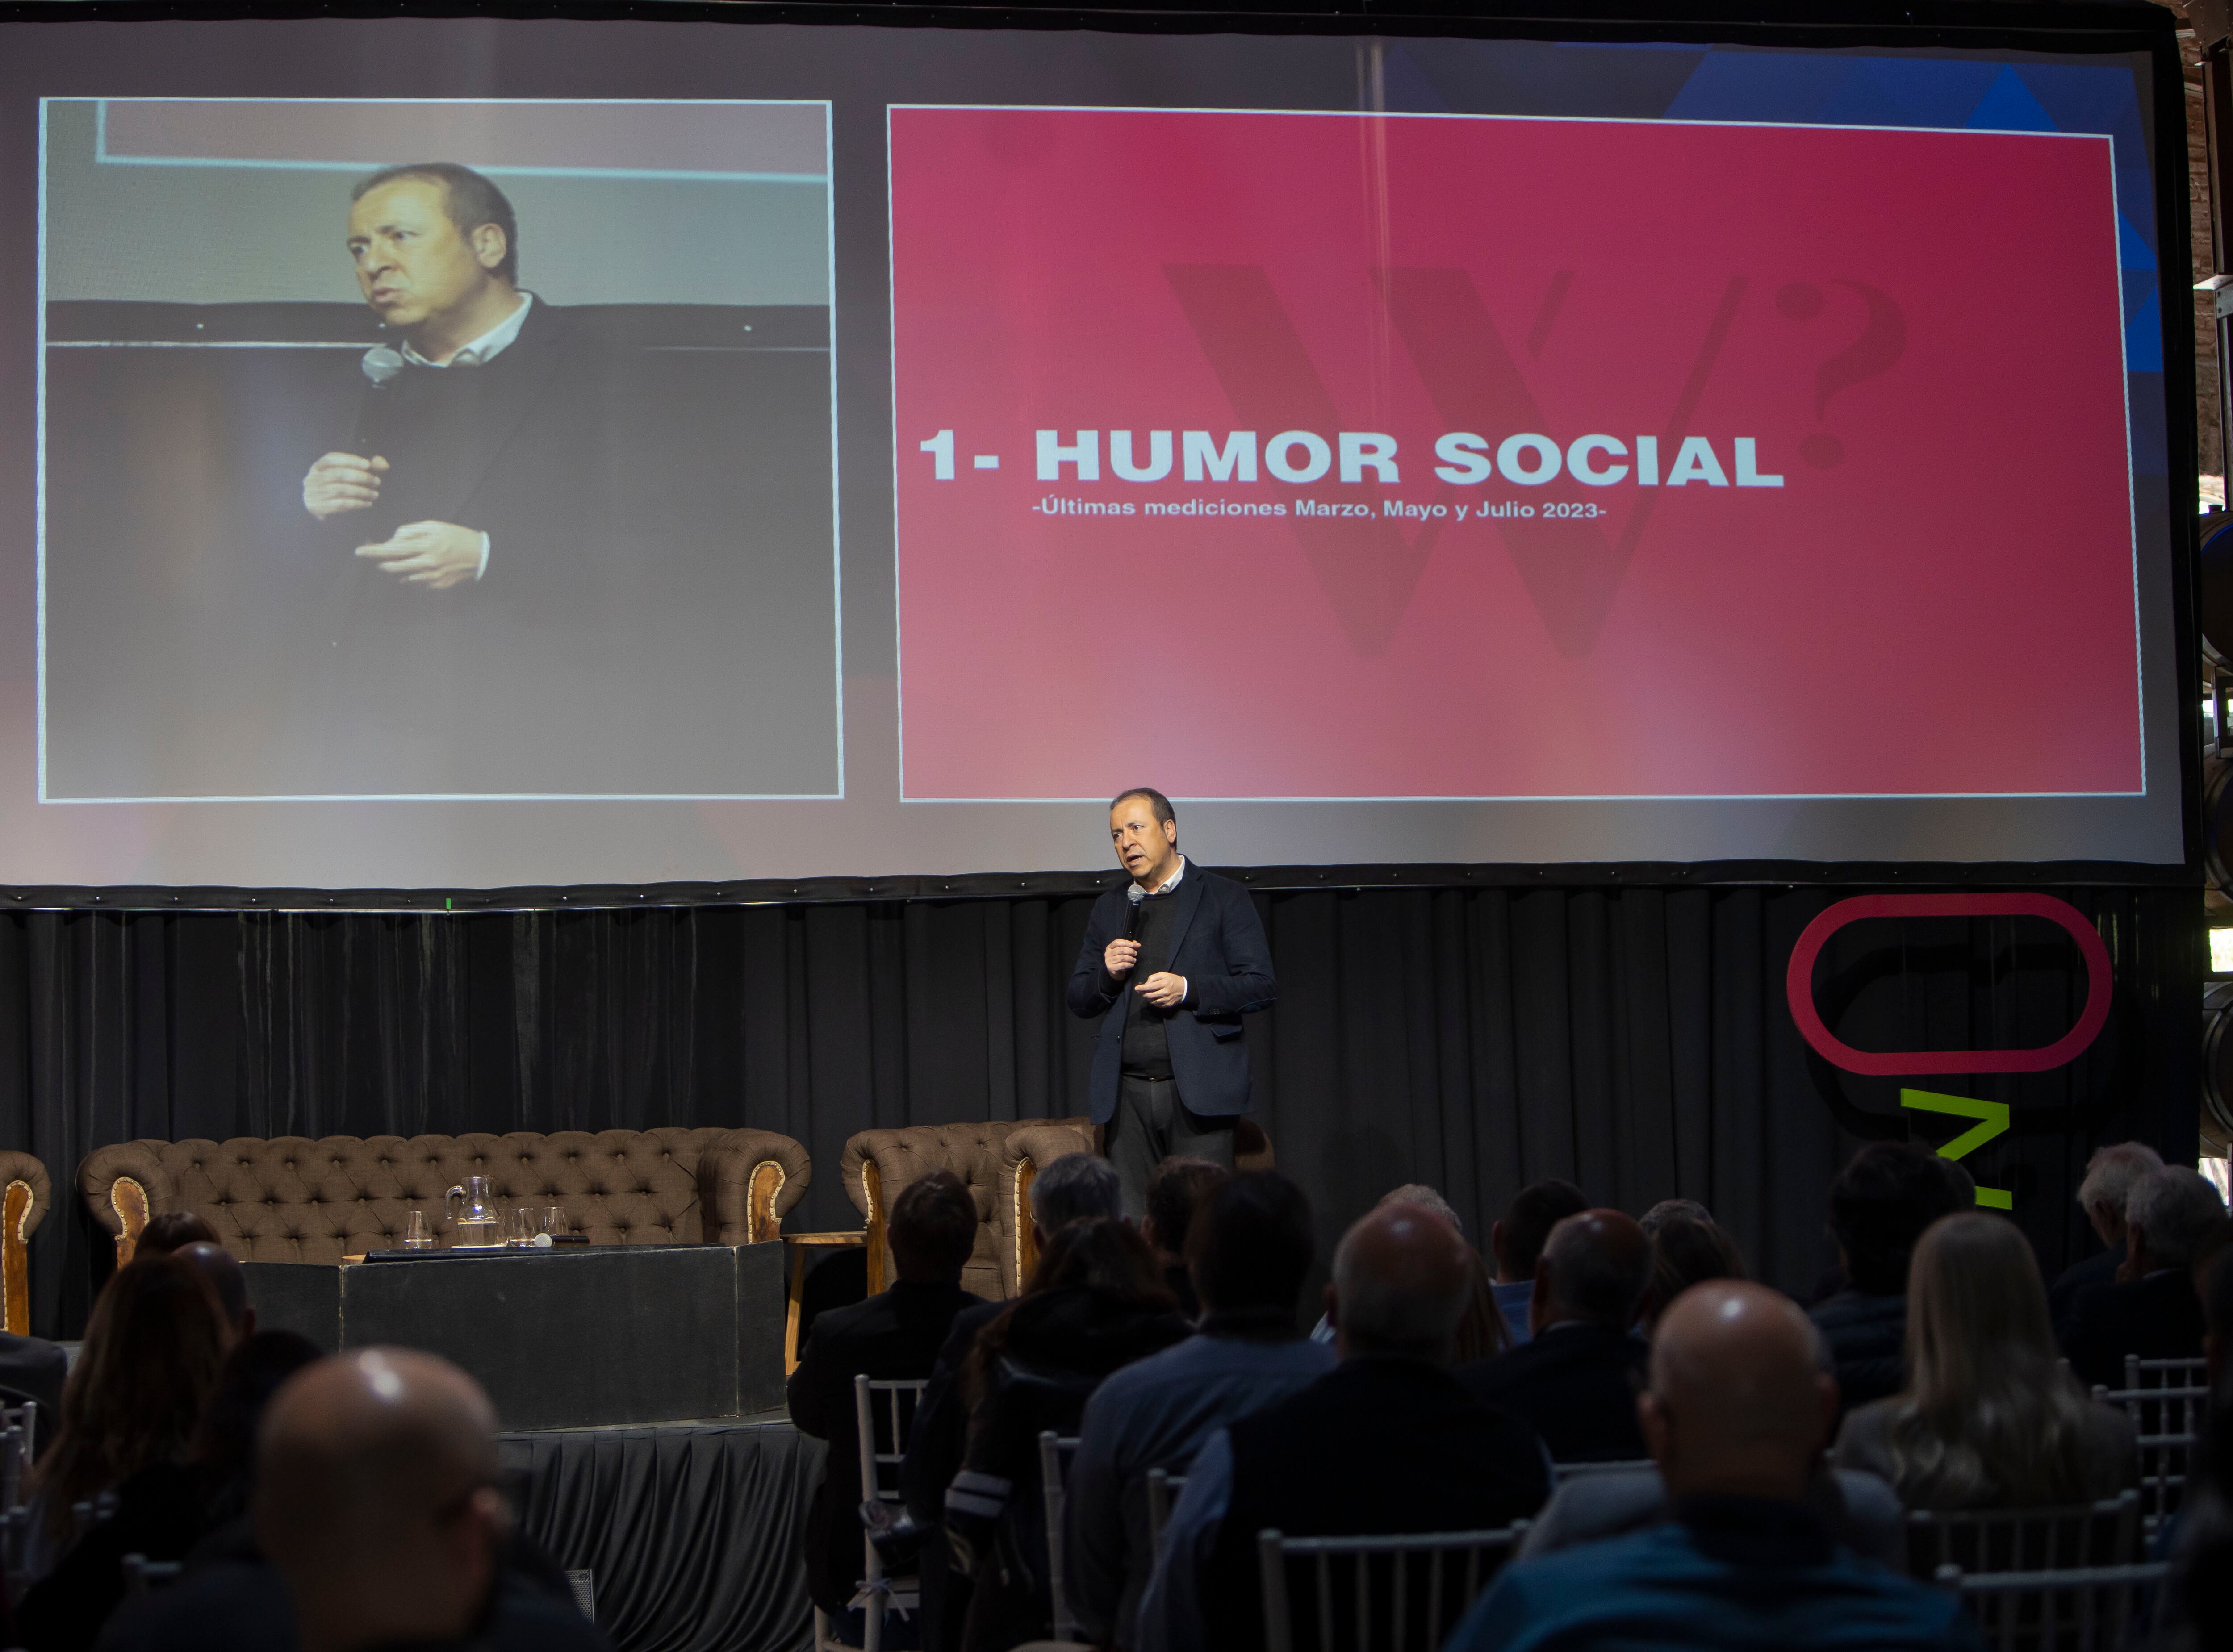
pixel 802 1244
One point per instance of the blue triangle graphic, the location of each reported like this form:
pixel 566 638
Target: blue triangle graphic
pixel 2132 252
pixel 2009 106
pixel 2143 338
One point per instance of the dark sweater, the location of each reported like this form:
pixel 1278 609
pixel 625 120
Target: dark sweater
pixel 1147 1044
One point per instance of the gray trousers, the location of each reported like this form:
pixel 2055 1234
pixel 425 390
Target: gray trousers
pixel 1150 1125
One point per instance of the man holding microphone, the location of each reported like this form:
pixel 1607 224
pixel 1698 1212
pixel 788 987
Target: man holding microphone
pixel 1170 1068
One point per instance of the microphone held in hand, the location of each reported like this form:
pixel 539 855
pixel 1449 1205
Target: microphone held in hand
pixel 1135 894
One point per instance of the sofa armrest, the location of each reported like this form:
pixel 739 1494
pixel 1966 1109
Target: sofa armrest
pixel 747 1181
pixel 1031 1145
pixel 123 1185
pixel 25 1192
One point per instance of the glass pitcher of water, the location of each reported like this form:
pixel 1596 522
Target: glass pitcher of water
pixel 472 1212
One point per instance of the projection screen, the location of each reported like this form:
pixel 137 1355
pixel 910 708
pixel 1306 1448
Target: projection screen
pixel 892 442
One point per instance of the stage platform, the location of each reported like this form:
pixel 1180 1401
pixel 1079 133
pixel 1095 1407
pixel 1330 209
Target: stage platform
pixel 691 1532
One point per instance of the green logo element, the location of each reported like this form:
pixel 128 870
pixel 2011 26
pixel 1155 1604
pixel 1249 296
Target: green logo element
pixel 1993 1120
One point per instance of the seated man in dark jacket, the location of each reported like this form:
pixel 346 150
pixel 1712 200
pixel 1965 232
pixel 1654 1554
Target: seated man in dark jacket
pixel 1387 1442
pixel 1879 1205
pixel 2150 1310
pixel 895 1336
pixel 1574 1382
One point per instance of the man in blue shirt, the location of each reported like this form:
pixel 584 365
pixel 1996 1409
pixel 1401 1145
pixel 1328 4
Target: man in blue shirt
pixel 1249 1250
pixel 1735 1417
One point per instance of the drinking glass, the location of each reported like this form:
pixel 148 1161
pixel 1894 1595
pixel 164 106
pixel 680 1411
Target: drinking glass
pixel 554 1220
pixel 416 1236
pixel 520 1230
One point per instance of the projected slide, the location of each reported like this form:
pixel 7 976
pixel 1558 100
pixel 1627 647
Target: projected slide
pixel 437 450
pixel 1345 456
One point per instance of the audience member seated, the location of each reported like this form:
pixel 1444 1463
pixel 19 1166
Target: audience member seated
pixel 1097 1304
pixel 1074 1188
pixel 1687 1249
pixel 893 1336
pixel 1249 1248
pixel 1426 1198
pixel 1575 1380
pixel 1879 1205
pixel 165 1514
pixel 2111 1175
pixel 172 1230
pixel 1387 1443
pixel 1174 1192
pixel 223 1452
pixel 2151 1308
pixel 1517 1242
pixel 1736 1415
pixel 153 1349
pixel 1989 1419
pixel 376 1502
pixel 2195 1611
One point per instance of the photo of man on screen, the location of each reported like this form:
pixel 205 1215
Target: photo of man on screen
pixel 508 468
pixel 436 250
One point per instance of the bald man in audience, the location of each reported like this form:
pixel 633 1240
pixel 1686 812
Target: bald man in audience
pixel 376 1506
pixel 1574 1380
pixel 1737 1416
pixel 1386 1443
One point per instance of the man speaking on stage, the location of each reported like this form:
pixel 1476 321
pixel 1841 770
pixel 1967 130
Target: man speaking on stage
pixel 1170 1068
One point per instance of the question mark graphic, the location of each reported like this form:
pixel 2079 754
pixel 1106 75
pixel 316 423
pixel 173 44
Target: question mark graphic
pixel 1881 344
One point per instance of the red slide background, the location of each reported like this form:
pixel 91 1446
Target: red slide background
pixel 1920 329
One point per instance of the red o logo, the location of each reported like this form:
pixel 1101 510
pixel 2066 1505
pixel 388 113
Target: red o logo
pixel 1799 983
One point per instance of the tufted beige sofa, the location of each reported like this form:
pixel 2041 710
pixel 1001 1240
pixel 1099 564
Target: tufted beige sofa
pixel 996 1160
pixel 291 1198
pixel 25 1194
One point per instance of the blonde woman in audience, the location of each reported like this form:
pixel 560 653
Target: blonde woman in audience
pixel 1989 1418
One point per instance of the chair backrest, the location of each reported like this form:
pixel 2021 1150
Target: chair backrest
pixel 1368 1594
pixel 2168 1421
pixel 1055 1451
pixel 2035 1539
pixel 883 1410
pixel 2090 1608
pixel 1562 1472
pixel 1163 1491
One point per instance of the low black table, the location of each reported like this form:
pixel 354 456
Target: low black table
pixel 570 1337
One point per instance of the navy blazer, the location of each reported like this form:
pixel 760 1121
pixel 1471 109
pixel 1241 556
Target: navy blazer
pixel 1217 943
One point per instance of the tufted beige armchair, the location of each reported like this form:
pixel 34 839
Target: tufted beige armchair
pixel 291 1199
pixel 996 1160
pixel 25 1192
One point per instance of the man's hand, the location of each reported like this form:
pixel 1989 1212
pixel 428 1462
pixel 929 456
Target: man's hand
pixel 1120 958
pixel 342 482
pixel 437 555
pixel 1164 990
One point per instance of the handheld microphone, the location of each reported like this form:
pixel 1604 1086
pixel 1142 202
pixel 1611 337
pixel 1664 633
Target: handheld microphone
pixel 1135 894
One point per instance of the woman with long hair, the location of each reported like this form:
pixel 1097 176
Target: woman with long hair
pixel 1096 1302
pixel 1989 1417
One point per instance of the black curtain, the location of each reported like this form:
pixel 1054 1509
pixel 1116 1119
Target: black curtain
pixel 1635 1040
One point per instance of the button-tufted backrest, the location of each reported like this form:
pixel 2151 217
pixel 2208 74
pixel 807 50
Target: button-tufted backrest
pixel 971 1151
pixel 293 1198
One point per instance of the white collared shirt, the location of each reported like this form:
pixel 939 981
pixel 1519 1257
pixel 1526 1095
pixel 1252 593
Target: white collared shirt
pixel 482 350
